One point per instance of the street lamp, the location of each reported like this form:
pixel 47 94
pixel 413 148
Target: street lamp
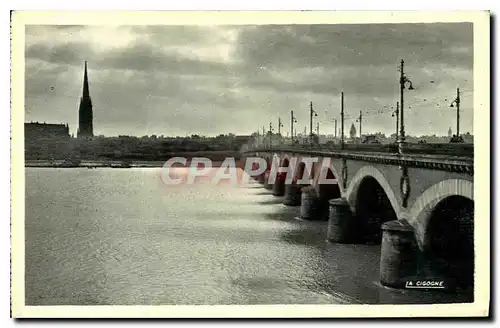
pixel 335 130
pixel 311 113
pixel 457 102
pixel 280 125
pixel 403 80
pixel 360 120
pixel 396 114
pixel 270 135
pixel 264 136
pixel 293 120
pixel 342 120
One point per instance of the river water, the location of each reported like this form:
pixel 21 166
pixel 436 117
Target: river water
pixel 123 237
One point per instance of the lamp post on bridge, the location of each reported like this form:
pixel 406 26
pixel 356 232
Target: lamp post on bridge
pixel 342 120
pixel 335 134
pixel 292 120
pixel 280 125
pixel 360 120
pixel 264 136
pixel 270 135
pixel 457 102
pixel 311 113
pixel 403 79
pixel 396 114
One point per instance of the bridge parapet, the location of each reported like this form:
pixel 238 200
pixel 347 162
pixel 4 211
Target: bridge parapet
pixel 450 161
pixel 461 150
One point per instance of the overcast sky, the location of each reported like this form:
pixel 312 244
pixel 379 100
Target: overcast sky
pixel 178 80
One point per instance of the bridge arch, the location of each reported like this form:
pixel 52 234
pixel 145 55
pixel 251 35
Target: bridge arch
pixel 281 160
pixel 285 161
pixel 335 173
pixel 424 206
pixel 274 161
pixel 268 162
pixel 373 203
pixel 328 171
pixel 279 183
pixel 325 185
pixel 369 171
pixel 301 169
pixel 443 218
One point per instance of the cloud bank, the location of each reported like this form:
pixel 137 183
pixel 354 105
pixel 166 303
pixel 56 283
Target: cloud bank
pixel 181 80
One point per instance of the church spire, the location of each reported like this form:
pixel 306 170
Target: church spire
pixel 85 113
pixel 86 93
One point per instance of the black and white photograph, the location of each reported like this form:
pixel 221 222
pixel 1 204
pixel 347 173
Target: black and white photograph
pixel 226 160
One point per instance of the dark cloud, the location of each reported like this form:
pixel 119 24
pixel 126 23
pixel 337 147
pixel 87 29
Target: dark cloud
pixel 146 57
pixel 73 53
pixel 356 45
pixel 351 57
pixel 220 79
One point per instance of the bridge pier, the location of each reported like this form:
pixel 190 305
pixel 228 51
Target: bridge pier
pixel 267 185
pixel 279 185
pixel 293 191
pixel 341 223
pixel 259 178
pixel 293 194
pixel 326 192
pixel 308 203
pixel 399 254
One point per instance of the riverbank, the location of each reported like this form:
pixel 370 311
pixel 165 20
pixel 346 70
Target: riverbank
pixel 216 157
pixel 90 164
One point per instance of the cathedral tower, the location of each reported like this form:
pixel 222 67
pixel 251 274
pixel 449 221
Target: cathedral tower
pixel 352 132
pixel 85 115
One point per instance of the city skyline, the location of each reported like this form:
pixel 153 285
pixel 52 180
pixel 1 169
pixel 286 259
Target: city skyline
pixel 174 81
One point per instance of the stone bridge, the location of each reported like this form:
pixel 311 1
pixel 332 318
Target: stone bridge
pixel 430 195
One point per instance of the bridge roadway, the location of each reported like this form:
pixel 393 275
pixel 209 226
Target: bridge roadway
pixel 419 204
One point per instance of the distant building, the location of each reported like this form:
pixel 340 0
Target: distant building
pixel 352 131
pixel 35 131
pixel 468 138
pixel 370 139
pixel 46 141
pixel 450 133
pixel 242 138
pixel 85 114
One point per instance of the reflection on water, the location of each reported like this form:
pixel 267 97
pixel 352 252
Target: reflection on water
pixel 109 236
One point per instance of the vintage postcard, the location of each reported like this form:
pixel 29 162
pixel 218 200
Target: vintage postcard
pixel 250 164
